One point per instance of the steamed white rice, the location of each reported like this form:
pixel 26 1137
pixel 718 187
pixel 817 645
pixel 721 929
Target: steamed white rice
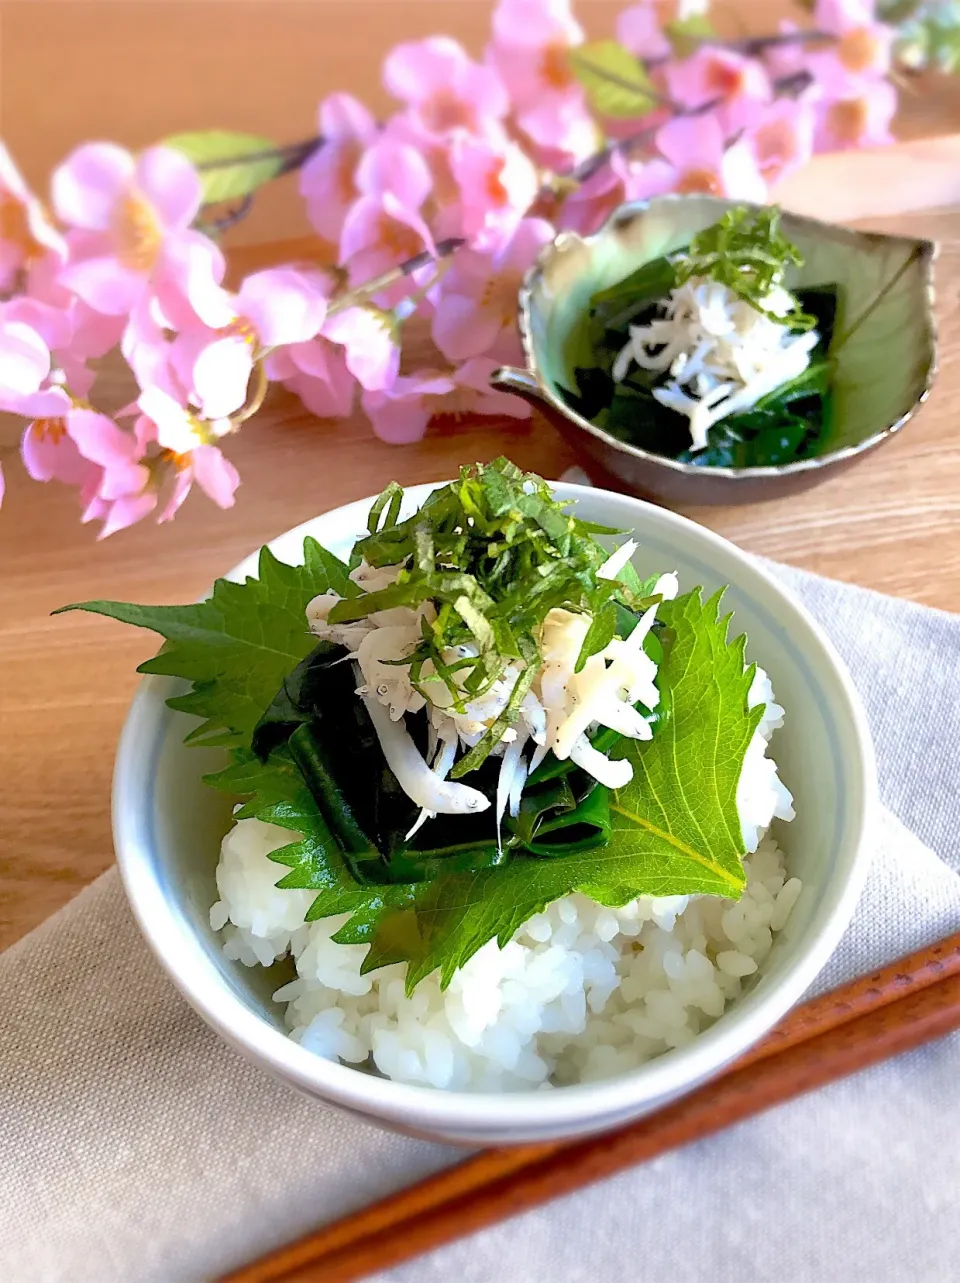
pixel 581 991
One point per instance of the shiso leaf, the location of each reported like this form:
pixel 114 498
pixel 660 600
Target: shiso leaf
pixel 238 645
pixel 675 829
pixel 276 793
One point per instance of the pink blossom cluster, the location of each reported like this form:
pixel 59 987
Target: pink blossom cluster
pixel 490 156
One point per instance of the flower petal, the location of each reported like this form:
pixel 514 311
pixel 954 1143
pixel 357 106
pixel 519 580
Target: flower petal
pixel 50 455
pixel 24 359
pixel 476 374
pixel 640 30
pixel 215 475
pixel 126 512
pixel 100 440
pixel 187 283
pixel 283 306
pixel 88 185
pixel 371 350
pixel 417 69
pixel 462 327
pixel 535 23
pixel 399 420
pixel 328 186
pixel 562 124
pixel 48 403
pixel 531 235
pixel 221 374
pixel 182 485
pixel 52 325
pixel 343 116
pixel 330 397
pixel 174 429
pixel 691 142
pixel 171 185
pixel 741 176
pixel 104 284
pixel 396 168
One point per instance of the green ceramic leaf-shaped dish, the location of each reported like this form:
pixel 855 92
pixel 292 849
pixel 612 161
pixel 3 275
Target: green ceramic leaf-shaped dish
pixel 884 368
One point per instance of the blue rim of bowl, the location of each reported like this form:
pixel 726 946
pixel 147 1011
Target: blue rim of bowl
pixel 189 964
pixel 926 251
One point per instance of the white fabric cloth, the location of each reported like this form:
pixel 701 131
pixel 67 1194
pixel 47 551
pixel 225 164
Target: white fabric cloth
pixel 136 1148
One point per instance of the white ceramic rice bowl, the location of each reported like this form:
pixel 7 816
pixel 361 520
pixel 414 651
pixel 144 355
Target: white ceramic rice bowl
pixel 168 826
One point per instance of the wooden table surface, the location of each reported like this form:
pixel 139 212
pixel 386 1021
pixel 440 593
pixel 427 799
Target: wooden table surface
pixel 890 523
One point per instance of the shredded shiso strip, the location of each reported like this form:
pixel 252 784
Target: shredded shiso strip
pixel 553 706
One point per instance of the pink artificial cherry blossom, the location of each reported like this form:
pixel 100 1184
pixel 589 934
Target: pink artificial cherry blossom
pixel 695 160
pixel 94 335
pixel 861 52
pixel 26 234
pixel 187 446
pixel 275 307
pixel 129 483
pixel 473 393
pixel 788 57
pixel 48 450
pixel 118 452
pixel 369 338
pixel 405 130
pixel 640 29
pixel 61 333
pixel 207 467
pixel 132 220
pixel 615 182
pixel 735 85
pixel 147 351
pixel 477 308
pixel 119 514
pixel 781 139
pixel 188 289
pixel 328 179
pixel 179 428
pixel 384 227
pixel 861 120
pixel 317 372
pixel 401 414
pixel 213 368
pixel 531 47
pixel 497 182
pixel 444 88
pixel 283 304
pixel 24 360
pixel 562 131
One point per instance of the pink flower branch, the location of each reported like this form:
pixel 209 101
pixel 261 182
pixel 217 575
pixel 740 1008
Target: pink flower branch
pixel 478 167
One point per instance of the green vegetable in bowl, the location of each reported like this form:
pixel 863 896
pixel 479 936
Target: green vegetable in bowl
pixel 706 357
pixel 484 711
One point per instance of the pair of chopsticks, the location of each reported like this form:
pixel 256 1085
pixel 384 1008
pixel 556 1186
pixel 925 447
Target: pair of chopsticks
pixel 890 1011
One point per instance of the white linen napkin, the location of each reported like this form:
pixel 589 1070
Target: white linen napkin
pixel 135 1147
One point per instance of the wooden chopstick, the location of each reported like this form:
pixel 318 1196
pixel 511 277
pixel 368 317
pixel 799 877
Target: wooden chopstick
pixel 879 1015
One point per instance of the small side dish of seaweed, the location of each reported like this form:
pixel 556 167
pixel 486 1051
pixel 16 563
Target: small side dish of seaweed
pixel 707 357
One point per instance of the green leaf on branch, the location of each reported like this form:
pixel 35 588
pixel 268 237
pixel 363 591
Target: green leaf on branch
pixel 686 35
pixel 615 81
pixel 231 165
pixel 670 833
